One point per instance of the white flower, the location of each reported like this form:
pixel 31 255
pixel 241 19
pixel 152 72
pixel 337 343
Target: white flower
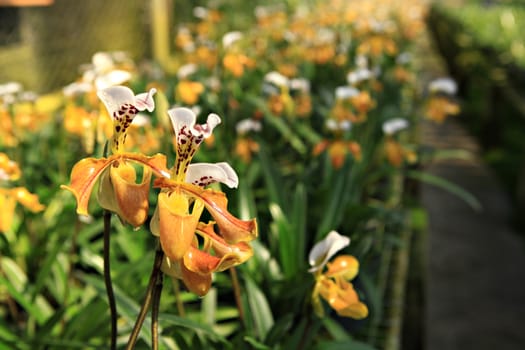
pixel 345 92
pixel 186 70
pixel 102 71
pixel 404 58
pixel 334 125
pixel 322 251
pixel 246 125
pixel 77 88
pixel 300 84
pixel 392 126
pixel 229 38
pixel 277 79
pixel 10 88
pixel 443 85
pixel 359 75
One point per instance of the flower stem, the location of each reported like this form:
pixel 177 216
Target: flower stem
pixel 107 279
pixel 159 254
pixel 237 293
pixel 157 291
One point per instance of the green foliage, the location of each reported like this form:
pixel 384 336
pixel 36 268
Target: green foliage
pixel 301 179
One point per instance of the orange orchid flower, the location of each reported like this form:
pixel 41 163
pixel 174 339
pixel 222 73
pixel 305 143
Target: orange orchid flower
pixel 333 285
pixel 118 191
pixel 193 249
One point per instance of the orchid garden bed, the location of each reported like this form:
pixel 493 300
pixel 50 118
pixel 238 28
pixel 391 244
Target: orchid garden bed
pixel 254 197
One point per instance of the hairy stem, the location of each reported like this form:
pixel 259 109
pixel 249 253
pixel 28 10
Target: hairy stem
pixel 147 299
pixel 107 279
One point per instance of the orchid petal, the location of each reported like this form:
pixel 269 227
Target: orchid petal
pixel 83 177
pixel 343 266
pixel 27 199
pixel 343 299
pixel 203 174
pixel 230 254
pixel 112 78
pixel 145 100
pixel 122 106
pixel 115 96
pixel 231 228
pixel 325 249
pixel 188 136
pixel 119 193
pixel 174 224
pixel 87 171
pixel 195 282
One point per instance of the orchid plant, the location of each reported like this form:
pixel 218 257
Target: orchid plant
pixel 183 196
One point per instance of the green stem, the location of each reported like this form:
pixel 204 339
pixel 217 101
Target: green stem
pixel 157 291
pixel 107 279
pixel 147 299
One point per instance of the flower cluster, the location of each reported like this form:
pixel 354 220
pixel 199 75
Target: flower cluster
pixel 193 249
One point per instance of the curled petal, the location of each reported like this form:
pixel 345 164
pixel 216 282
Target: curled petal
pixel 325 249
pixel 231 228
pixel 87 171
pixel 203 174
pixel 83 177
pixel 145 100
pixel 174 224
pixel 119 193
pixel 229 254
pixel 200 262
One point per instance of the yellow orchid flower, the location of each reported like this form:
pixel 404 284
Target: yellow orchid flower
pixel 333 285
pixel 8 199
pixel 9 169
pixel 118 190
pixel 183 198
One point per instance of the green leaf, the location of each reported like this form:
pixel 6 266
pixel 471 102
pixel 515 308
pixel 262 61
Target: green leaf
pixel 16 276
pixel 256 344
pixel 452 188
pixel 44 272
pixel 259 308
pixel 279 329
pixel 197 327
pixel 272 178
pixel 298 223
pixel 23 299
pixel 287 133
pixel 343 345
pixel 247 206
pixel 286 240
pixel 336 330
